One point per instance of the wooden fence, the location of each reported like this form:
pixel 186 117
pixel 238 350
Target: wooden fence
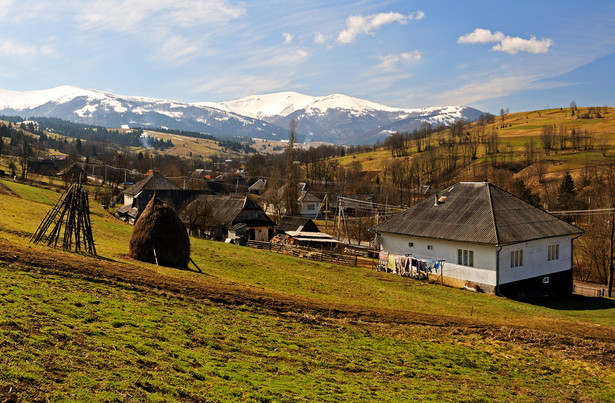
pixel 589 291
pixel 313 254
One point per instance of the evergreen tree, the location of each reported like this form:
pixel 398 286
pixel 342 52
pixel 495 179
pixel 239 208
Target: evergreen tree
pixel 566 194
pixel 524 193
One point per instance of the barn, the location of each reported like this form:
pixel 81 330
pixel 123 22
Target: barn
pixel 487 238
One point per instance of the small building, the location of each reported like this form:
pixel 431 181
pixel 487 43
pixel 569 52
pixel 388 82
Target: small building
pixel 73 173
pixel 487 238
pixel 258 187
pixel 319 240
pixel 224 217
pixel 290 223
pixel 48 165
pixel 138 196
pixel 308 203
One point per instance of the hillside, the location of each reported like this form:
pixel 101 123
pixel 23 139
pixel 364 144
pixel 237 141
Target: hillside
pixel 520 150
pixel 261 326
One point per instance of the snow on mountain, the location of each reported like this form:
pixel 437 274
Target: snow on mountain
pixel 339 118
pixel 105 109
pixel 285 103
pixel 334 118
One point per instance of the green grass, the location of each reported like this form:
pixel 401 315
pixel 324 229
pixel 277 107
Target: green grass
pixel 69 339
pixel 65 338
pixel 326 283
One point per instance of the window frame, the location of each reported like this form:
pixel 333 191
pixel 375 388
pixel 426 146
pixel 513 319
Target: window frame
pixel 465 257
pixel 553 252
pixel 516 258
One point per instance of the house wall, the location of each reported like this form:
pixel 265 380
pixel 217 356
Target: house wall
pixel 483 271
pixel 305 210
pixel 535 259
pixel 260 233
pixel 128 200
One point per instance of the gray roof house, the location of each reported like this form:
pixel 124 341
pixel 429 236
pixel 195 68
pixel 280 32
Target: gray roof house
pixel 217 216
pixel 488 238
pixel 137 196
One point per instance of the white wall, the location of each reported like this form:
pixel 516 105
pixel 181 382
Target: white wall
pixel 128 199
pixel 484 256
pixel 535 262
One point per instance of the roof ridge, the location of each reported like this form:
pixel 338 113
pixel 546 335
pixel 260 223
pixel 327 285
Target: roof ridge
pixel 495 224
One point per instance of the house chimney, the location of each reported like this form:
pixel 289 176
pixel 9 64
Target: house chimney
pixel 435 200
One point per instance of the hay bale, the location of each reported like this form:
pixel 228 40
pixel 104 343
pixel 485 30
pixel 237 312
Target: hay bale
pixel 160 228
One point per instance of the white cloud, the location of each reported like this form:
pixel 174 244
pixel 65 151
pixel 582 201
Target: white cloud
pixel 4 7
pixel 288 38
pixel 10 48
pixel 131 15
pixel 358 24
pixel 393 62
pixel 238 85
pixel 508 44
pixel 176 49
pixel 319 38
pixel 490 88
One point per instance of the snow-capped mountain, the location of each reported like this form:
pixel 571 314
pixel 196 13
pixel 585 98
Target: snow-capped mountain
pixel 347 120
pixel 335 118
pixel 110 110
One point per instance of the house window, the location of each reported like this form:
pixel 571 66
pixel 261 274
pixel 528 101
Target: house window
pixel 465 257
pixel 553 252
pixel 311 207
pixel 411 244
pixel 429 247
pixel 516 258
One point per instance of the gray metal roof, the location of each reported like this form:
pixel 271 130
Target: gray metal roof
pixel 155 181
pixel 477 212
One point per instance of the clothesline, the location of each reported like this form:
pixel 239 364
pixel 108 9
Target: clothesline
pixel 408 265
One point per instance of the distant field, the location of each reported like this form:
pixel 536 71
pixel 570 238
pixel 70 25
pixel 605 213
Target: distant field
pixel 514 131
pixel 267 327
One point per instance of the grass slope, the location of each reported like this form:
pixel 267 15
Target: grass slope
pixel 514 132
pixel 267 327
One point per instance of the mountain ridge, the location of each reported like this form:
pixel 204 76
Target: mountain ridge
pixel 334 118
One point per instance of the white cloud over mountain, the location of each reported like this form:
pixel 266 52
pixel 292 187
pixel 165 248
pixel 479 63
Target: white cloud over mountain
pixel 358 24
pixel 505 43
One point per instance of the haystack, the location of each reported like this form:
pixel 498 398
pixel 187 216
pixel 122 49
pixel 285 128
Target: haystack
pixel 160 237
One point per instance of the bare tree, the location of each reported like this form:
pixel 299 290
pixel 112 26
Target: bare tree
pixel 562 137
pixel 547 135
pixel 530 152
pixel 290 191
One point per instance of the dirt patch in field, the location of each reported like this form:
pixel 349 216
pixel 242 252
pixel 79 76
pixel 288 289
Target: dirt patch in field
pixel 4 190
pixel 590 342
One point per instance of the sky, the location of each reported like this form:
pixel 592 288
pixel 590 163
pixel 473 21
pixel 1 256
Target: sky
pixel 491 55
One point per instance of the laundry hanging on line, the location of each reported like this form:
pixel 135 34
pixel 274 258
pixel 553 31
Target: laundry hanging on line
pixel 408 265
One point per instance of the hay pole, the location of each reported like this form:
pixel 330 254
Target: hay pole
pixel 195 265
pixel 49 217
pixel 71 212
pixel 155 257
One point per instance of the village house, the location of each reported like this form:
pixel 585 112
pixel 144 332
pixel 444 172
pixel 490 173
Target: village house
pixel 258 187
pixel 73 173
pixel 232 218
pixel 138 195
pixel 304 232
pixel 308 203
pixel 484 237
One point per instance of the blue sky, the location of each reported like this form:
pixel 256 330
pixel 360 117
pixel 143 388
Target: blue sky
pixel 521 55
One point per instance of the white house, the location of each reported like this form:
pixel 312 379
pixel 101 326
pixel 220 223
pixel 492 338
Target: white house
pixel 488 237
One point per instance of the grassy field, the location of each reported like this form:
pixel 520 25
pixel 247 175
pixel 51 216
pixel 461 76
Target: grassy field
pixel 265 327
pixel 514 132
